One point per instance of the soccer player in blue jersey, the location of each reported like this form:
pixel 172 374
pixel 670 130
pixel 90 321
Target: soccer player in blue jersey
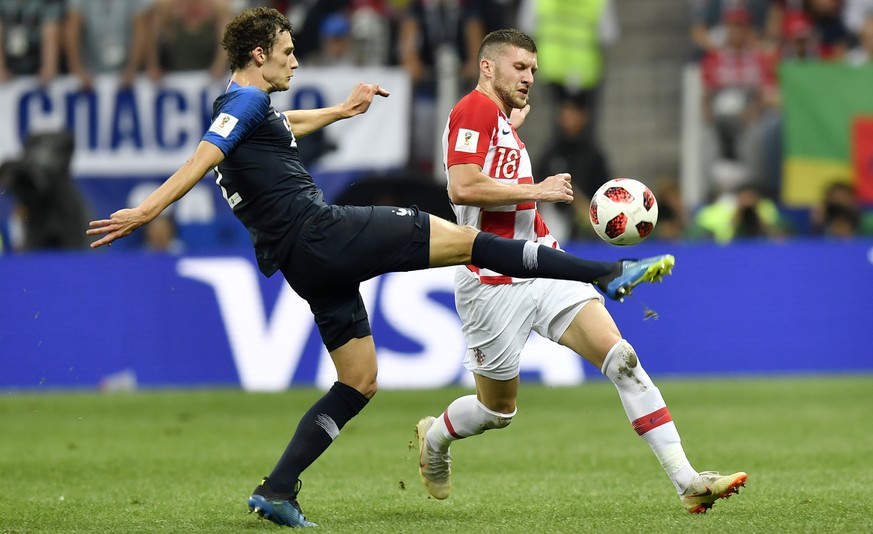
pixel 325 251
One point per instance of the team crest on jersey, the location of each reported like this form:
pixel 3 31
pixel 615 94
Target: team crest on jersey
pixel 467 141
pixel 479 356
pixel 223 124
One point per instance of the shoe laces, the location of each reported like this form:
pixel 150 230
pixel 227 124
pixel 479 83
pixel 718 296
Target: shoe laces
pixel 438 464
pixel 293 497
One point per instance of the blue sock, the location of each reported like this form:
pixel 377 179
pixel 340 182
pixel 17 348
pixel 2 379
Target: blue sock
pixel 316 431
pixel 526 259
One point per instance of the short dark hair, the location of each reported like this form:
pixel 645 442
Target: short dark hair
pixel 254 27
pixel 496 40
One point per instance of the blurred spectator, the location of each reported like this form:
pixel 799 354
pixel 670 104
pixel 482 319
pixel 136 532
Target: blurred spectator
pixel 51 211
pixel 432 31
pixel 863 53
pixel 841 222
pixel 855 15
pixel 572 150
pixel 107 36
pixel 673 217
pixel 306 18
pixel 371 25
pixel 800 40
pixel 431 26
pixel 570 38
pixel 741 98
pixel 372 31
pixel 743 214
pixel 708 29
pixel 30 33
pixel 187 36
pixel 826 20
pixel 337 47
pixel 839 211
pixel 161 236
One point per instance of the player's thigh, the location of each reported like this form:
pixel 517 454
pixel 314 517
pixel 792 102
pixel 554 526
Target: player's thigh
pixel 592 333
pixel 497 321
pixel 450 244
pixel 572 314
pixel 369 241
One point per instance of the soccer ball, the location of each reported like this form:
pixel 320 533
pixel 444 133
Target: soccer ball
pixel 623 211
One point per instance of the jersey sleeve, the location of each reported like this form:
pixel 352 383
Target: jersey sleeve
pixel 471 129
pixel 236 118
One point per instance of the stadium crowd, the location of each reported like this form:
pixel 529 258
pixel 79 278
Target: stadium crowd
pixel 738 45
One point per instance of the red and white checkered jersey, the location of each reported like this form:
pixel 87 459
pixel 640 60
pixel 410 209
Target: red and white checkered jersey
pixel 479 132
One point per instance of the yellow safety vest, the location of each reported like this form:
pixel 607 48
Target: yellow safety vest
pixel 568 49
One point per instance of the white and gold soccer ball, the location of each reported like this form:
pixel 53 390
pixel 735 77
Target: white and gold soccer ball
pixel 623 211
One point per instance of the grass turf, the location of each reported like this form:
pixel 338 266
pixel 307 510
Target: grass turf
pixel 185 461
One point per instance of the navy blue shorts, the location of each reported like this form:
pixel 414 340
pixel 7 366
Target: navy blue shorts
pixel 341 247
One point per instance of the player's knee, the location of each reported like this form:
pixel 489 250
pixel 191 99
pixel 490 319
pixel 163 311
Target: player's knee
pixel 621 358
pixel 494 420
pixel 370 387
pixel 365 384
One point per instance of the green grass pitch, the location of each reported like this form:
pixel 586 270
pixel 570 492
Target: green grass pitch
pixel 185 461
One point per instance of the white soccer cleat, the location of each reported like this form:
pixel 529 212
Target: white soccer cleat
pixel 709 486
pixel 433 466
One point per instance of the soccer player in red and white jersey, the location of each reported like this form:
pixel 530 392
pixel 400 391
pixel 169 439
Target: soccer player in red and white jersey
pixel 491 186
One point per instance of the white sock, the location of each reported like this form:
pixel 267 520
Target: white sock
pixel 647 412
pixel 464 417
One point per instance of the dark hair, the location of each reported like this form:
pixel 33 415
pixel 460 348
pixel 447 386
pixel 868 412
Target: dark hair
pixel 250 29
pixel 496 40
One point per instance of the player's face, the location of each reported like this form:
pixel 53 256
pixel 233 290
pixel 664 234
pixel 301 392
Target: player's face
pixel 280 64
pixel 514 76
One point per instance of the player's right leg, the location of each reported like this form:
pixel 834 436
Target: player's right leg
pixel 465 417
pixel 496 333
pixel 451 244
pixel 594 333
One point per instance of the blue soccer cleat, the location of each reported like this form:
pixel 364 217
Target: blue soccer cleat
pixel 635 272
pixel 282 510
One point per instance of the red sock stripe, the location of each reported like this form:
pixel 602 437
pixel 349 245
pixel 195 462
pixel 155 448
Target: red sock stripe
pixel 449 426
pixel 652 421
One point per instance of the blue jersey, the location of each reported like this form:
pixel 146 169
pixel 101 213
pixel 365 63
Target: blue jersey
pixel 262 177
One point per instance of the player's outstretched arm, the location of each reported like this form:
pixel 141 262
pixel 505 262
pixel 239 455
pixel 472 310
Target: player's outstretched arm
pixel 469 186
pixel 124 222
pixel 305 121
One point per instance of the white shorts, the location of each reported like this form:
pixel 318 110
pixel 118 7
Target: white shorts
pixel 498 319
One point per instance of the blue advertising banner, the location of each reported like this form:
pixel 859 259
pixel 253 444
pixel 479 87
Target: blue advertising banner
pixel 81 320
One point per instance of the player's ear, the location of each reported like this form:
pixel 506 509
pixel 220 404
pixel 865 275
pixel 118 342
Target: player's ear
pixel 485 66
pixel 259 56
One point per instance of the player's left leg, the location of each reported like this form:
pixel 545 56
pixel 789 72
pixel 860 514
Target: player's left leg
pixel 594 334
pixel 451 244
pixel 276 496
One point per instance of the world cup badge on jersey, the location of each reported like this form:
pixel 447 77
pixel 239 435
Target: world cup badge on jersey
pixel 467 140
pixel 479 356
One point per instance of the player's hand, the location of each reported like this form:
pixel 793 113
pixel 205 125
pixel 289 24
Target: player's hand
pixel 517 116
pixel 361 97
pixel 556 188
pixel 119 224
